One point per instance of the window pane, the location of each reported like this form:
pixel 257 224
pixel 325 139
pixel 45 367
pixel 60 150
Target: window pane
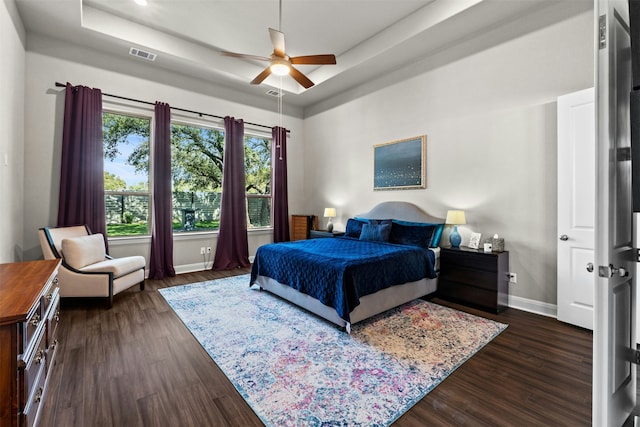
pixel 126 174
pixel 259 211
pixel 196 163
pixel 257 154
pixel 127 214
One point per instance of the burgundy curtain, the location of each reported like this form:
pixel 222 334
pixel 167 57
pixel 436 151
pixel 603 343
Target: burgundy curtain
pixel 232 249
pixel 82 170
pixel 279 185
pixel 161 259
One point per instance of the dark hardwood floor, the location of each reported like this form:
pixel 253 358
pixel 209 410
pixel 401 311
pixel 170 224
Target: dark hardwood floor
pixel 136 364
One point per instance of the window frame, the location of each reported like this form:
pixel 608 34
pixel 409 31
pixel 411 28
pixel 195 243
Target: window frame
pixel 142 113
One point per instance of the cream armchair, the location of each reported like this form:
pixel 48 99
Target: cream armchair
pixel 86 270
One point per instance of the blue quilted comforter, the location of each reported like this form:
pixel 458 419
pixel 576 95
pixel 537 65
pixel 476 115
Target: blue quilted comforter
pixel 338 271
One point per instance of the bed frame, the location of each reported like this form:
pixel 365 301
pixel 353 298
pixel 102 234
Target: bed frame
pixel 373 304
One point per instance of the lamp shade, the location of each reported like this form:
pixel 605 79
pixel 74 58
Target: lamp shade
pixel 329 212
pixel 455 218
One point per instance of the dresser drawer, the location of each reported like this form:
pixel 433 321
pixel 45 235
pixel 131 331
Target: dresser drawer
pixel 52 330
pixel 32 406
pixel 50 292
pixel 30 327
pixel 34 364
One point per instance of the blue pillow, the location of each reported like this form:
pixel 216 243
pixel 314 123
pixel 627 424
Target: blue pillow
pixel 437 234
pixel 376 232
pixel 354 227
pixel 414 234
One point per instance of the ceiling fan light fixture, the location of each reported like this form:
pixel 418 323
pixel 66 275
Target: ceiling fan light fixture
pixel 280 67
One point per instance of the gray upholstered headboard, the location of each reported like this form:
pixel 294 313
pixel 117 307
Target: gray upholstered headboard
pixel 403 211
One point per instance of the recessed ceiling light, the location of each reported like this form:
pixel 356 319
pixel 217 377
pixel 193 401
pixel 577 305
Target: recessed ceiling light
pixel 141 2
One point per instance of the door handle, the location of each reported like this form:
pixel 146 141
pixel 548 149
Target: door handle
pixel 590 267
pixel 564 237
pixel 610 271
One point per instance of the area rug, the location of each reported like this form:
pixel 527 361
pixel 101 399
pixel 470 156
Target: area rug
pixel 296 369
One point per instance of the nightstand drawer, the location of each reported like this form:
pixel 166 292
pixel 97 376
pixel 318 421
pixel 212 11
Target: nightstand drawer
pixel 469 294
pixel 473 278
pixel 477 261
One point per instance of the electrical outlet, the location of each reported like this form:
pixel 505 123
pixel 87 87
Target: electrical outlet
pixel 208 249
pixel 202 251
pixel 513 278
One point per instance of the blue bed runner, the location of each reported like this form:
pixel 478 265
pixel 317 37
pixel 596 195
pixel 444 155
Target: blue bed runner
pixel 338 271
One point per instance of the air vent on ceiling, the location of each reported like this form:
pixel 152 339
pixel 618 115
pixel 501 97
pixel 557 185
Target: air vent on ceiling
pixel 142 54
pixel 273 92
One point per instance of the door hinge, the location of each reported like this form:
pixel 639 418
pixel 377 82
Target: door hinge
pixel 602 32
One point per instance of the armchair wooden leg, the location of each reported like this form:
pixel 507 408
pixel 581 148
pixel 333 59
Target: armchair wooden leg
pixel 142 285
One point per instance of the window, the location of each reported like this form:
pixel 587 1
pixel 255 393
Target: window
pixel 126 173
pixel 196 168
pixel 257 165
pixel 196 162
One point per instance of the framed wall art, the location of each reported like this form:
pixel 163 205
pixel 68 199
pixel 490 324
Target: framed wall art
pixel 400 165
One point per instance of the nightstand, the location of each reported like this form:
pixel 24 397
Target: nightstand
pixel 476 278
pixel 315 234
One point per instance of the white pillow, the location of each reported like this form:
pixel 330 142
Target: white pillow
pixel 82 251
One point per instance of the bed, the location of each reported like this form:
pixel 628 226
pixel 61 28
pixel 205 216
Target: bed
pixel 388 256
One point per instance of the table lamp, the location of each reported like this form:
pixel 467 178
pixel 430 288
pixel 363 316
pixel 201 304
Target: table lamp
pixel 329 213
pixel 455 218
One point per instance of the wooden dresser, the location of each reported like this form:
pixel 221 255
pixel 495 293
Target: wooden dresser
pixel 29 314
pixel 301 226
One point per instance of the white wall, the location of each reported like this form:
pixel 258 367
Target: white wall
pixel 490 121
pixel 12 83
pixel 43 139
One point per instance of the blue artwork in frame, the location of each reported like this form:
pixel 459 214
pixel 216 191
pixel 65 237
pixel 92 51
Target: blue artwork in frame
pixel 400 165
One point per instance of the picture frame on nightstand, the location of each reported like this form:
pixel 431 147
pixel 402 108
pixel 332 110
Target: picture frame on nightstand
pixel 474 240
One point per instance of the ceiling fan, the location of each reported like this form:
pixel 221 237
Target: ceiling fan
pixel 282 64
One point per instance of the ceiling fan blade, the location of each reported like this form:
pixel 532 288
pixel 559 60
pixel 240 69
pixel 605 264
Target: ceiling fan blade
pixel 260 77
pixel 277 40
pixel 314 59
pixel 242 55
pixel 301 78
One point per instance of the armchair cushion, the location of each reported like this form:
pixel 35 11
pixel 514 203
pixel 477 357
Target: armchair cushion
pixel 82 251
pixel 118 266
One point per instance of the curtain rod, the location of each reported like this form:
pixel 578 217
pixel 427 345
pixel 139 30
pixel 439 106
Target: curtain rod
pixel 58 84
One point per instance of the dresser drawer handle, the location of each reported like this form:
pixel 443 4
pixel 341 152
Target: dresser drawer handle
pixel 39 356
pixel 35 320
pixel 49 297
pixel 57 316
pixel 38 396
pixel 54 344
pixel 55 280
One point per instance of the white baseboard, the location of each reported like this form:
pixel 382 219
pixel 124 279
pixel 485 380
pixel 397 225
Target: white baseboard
pixel 191 268
pixel 533 306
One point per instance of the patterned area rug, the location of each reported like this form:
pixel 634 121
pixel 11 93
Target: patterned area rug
pixel 296 369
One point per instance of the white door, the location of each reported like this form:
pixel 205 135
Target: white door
pixel 614 376
pixel 576 206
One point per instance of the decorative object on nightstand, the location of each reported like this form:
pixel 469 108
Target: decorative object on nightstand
pixel 497 243
pixel 455 218
pixel 329 213
pixel 474 240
